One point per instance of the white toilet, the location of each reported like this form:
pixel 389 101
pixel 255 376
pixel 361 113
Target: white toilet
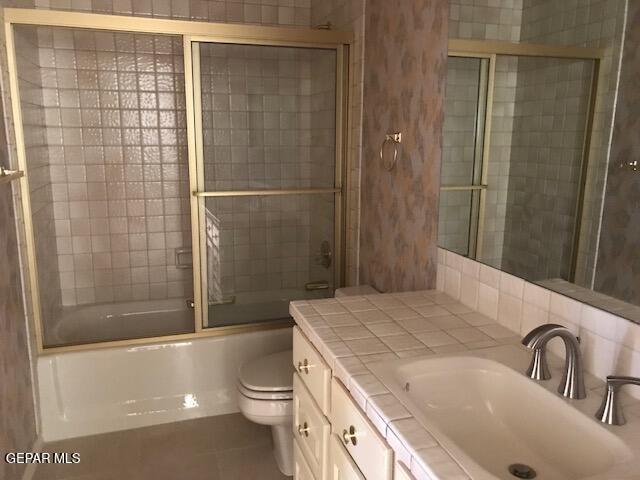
pixel 265 396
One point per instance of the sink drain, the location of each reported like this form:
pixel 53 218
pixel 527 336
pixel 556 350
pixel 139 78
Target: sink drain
pixel 520 470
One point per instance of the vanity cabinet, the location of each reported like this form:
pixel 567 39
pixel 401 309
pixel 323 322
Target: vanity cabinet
pixel 401 472
pixel 334 439
pixel 311 429
pixel 341 465
pixel 313 370
pixel 301 469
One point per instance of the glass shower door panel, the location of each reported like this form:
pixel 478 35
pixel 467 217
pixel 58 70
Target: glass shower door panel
pixel 106 134
pixel 462 180
pixel 263 252
pixel 462 104
pixel 268 117
pixel 456 220
pixel 268 176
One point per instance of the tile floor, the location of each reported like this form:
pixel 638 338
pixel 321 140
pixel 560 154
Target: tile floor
pixel 226 447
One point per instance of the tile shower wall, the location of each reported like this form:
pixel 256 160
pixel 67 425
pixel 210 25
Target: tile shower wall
pixel 268 12
pixel 617 270
pixel 591 23
pixel 405 73
pixel 551 108
pixel 350 15
pixel 485 19
pixel 117 141
pixel 609 344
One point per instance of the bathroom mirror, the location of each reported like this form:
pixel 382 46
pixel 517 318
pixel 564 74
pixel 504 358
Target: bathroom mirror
pixel 539 171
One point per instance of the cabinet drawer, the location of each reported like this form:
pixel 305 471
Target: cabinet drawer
pixel 315 373
pixel 311 429
pixel 361 439
pixel 341 466
pixel 401 472
pixel 301 469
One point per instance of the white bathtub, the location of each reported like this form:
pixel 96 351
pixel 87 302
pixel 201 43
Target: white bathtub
pixel 97 391
pixel 118 321
pixel 156 318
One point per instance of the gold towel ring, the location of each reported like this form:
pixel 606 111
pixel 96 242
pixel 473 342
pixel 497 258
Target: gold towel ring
pixel 396 138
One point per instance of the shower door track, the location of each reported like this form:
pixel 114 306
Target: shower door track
pixel 191 32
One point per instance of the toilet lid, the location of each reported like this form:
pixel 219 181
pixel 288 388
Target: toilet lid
pixel 270 373
pixel 271 396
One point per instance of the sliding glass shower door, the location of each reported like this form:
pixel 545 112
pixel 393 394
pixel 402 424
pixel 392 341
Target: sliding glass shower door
pixel 463 178
pixel 268 183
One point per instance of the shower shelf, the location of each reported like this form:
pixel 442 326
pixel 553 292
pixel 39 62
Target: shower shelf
pixel 7 176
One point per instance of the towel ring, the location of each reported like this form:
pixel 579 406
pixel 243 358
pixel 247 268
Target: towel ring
pixel 395 138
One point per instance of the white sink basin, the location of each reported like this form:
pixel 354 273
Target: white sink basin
pixel 490 416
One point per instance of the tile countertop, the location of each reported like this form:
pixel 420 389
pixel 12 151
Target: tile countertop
pixel 355 332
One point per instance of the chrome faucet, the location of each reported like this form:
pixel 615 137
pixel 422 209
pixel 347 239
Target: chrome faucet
pixel 572 383
pixel 610 411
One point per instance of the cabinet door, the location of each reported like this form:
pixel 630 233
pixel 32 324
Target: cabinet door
pixel 301 469
pixel 341 466
pixel 310 428
pixel 313 370
pixel 360 438
pixel 401 472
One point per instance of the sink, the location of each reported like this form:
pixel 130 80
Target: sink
pixel 489 416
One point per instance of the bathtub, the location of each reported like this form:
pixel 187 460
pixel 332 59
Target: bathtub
pixel 118 321
pixel 97 391
pixel 156 318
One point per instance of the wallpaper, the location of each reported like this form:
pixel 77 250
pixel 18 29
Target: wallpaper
pixel 17 416
pixel 404 82
pixel 618 267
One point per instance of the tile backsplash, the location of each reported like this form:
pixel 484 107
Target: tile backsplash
pixel 610 344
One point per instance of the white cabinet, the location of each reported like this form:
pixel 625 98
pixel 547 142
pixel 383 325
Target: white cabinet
pixel 337 443
pixel 301 469
pixel 313 370
pixel 341 466
pixel 401 472
pixel 360 438
pixel 310 428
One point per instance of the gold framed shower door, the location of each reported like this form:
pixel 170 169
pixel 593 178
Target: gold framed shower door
pixel 191 33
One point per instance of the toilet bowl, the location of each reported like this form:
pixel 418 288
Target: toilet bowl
pixel 265 396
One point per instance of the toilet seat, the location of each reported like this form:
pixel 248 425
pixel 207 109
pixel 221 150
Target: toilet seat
pixel 270 374
pixel 262 395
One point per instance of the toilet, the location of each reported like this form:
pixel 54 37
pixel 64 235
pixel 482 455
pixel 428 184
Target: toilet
pixel 265 396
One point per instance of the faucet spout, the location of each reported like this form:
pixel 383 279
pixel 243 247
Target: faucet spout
pixel 572 383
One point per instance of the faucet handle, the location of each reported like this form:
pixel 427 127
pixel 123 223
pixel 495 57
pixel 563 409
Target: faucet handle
pixel 610 411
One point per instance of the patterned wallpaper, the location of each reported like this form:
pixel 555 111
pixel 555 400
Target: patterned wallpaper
pixel 405 71
pixel 17 415
pixel 618 266
pixel 17 418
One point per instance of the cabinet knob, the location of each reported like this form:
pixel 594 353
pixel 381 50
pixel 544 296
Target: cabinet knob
pixel 349 436
pixel 303 367
pixel 303 429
